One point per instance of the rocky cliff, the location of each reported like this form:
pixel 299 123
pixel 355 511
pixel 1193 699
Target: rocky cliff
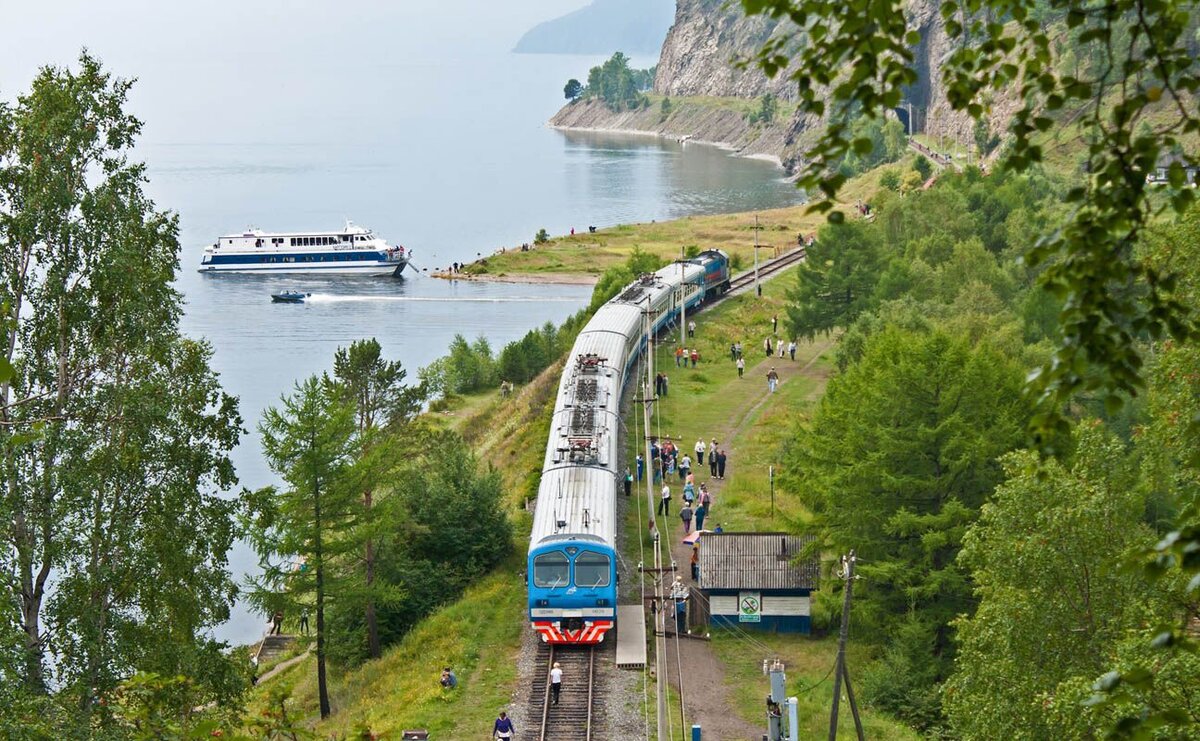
pixel 701 60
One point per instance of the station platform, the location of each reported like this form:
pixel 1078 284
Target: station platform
pixel 631 636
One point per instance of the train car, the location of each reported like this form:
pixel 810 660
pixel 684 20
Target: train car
pixel 572 562
pixel 716 272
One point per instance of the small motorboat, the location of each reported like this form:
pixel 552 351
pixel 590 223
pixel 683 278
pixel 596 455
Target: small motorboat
pixel 289 297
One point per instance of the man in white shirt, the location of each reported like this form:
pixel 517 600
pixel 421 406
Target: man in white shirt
pixel 664 504
pixel 555 682
pixel 700 448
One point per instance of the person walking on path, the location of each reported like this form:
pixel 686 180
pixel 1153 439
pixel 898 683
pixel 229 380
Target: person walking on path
pixel 705 498
pixel 689 494
pixel 792 350
pixel 685 467
pixel 695 357
pixel 664 501
pixel 701 513
pixel 555 682
pixel 772 379
pixel 700 451
pixel 768 347
pixel 641 468
pixel 774 324
pixel 738 348
pixel 696 560
pixel 503 727
pixel 678 355
pixel 692 328
pixel 304 622
pixel 732 351
pixel 276 623
pixel 712 459
pixel 741 366
pixel 721 463
pixel 782 349
pixel 685 514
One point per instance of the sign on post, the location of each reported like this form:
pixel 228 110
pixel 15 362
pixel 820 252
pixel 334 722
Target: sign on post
pixel 749 607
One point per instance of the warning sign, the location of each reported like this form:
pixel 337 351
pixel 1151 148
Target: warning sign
pixel 749 607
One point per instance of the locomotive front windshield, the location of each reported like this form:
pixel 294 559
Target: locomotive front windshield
pixel 551 570
pixel 591 569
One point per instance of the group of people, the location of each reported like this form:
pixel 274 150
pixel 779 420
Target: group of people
pixel 683 355
pixel 779 346
pixel 660 384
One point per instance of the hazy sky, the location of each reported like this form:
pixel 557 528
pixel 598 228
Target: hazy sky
pixel 176 48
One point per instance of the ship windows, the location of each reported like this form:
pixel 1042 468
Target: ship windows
pixel 551 570
pixel 592 570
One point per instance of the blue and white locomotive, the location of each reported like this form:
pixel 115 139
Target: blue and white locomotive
pixel 572 568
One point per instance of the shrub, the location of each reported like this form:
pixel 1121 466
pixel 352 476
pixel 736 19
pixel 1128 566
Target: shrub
pixel 541 237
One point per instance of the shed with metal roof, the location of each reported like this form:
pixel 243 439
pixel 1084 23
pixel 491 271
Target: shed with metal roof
pixel 762 581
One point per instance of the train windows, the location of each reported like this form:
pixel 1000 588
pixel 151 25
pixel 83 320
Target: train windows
pixel 592 569
pixel 551 570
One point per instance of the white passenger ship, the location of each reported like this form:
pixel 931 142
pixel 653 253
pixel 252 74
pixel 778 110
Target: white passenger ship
pixel 351 250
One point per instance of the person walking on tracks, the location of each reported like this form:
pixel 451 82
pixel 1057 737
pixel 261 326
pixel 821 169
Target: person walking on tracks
pixel 555 682
pixel 503 727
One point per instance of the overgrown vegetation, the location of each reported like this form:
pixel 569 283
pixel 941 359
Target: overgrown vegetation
pixel 999 593
pixel 616 83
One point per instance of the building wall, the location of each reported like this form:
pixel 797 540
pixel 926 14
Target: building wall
pixel 782 612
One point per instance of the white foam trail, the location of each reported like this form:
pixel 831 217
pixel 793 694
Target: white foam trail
pixel 332 298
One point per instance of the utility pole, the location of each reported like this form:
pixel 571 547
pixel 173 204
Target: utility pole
pixel 771 473
pixel 910 124
pixel 841 672
pixel 648 397
pixel 757 285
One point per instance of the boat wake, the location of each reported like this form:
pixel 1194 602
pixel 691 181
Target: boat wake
pixel 318 298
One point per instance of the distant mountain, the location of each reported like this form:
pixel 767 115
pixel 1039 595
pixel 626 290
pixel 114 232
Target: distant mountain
pixel 605 26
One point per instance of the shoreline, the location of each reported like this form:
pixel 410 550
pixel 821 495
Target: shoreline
pixel 683 139
pixel 549 279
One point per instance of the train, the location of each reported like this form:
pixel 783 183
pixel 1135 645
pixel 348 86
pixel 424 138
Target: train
pixel 571 571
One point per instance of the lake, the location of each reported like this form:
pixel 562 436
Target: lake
pixel 300 116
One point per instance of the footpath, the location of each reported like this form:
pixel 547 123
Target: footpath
pixel 706 694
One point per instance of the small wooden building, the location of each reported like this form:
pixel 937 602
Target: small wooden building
pixel 757 580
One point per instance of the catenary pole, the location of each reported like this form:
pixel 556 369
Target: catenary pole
pixel 840 672
pixel 683 301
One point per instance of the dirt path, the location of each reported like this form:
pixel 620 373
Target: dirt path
pixel 706 695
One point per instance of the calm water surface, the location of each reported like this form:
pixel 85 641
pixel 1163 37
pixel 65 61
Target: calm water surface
pixel 422 127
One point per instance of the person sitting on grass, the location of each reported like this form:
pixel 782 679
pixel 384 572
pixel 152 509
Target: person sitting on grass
pixel 448 680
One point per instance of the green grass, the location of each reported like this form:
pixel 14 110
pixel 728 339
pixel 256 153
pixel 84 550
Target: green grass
pixel 711 398
pixel 478 635
pixel 807 664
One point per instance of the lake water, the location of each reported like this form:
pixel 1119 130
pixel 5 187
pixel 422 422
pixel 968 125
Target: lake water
pixel 431 134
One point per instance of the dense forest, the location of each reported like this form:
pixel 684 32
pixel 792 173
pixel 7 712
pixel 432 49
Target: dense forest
pixel 1000 584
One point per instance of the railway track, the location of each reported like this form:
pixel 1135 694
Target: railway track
pixel 746 279
pixel 572 718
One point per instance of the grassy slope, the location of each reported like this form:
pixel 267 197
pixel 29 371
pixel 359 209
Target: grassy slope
pixel 710 398
pixel 478 635
pixel 591 254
